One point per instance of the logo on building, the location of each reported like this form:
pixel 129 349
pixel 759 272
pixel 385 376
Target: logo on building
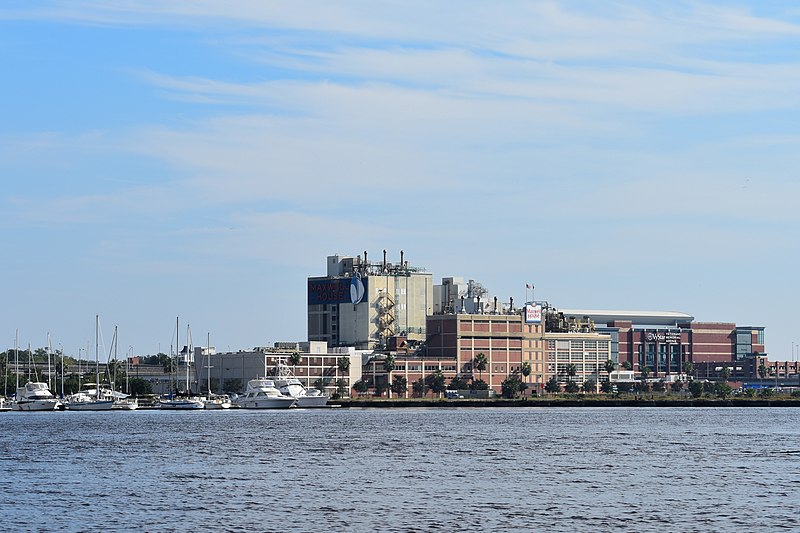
pixel 356 290
pixel 533 314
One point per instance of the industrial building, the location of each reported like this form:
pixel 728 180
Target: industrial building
pixel 362 304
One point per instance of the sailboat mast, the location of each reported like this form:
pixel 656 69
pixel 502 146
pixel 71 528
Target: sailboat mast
pixel 208 364
pixel 188 347
pixel 49 375
pixel 116 341
pixel 97 355
pixel 16 355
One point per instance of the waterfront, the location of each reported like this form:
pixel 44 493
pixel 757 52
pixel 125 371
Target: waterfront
pixel 415 469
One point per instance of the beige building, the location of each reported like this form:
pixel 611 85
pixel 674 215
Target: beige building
pixel 588 351
pixel 363 304
pixel 319 364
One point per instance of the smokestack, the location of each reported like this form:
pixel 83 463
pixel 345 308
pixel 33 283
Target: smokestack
pixel 401 258
pixel 384 259
pixel 495 305
pixel 511 298
pixel 365 257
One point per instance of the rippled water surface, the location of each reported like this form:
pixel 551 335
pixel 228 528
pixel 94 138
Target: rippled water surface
pixel 570 469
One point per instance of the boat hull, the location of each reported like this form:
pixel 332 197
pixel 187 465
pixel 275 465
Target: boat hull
pixel 267 403
pixel 312 401
pixel 102 405
pixel 36 405
pixel 182 405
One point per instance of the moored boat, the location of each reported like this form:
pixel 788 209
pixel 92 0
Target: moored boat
pixel 262 394
pixel 288 385
pixel 35 396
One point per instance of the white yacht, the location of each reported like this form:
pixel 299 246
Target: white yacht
pixel 262 394
pixel 217 401
pixel 289 385
pixel 35 396
pixel 5 405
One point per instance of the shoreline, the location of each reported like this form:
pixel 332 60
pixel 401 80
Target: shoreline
pixel 568 402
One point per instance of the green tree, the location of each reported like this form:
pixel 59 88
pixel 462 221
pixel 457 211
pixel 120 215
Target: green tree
pixel 388 367
pixel 677 386
pixel 645 373
pixel 480 363
pixel 360 386
pixel 571 371
pixel 590 386
pixel 436 382
pixel 343 363
pixel 341 388
pixel 571 387
pixel 552 386
pixel 624 386
pixel 607 387
pixel 726 373
pixel 609 366
pixel 526 369
pixel 762 370
pixel 459 383
pixel 379 388
pixel 627 365
pixel 512 386
pixel 399 385
pixel 723 390
pixel 140 387
pixel 688 368
pixel 696 388
pixel 418 388
pixel 479 385
pixel 659 386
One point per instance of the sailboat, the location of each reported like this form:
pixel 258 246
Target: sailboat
pixel 35 395
pixel 92 397
pixel 213 401
pixel 186 403
pixel 122 401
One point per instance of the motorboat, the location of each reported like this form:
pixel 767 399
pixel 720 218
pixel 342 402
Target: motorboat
pixel 183 404
pixel 261 393
pixel 288 385
pixel 4 405
pixel 36 396
pixel 217 401
pixel 126 404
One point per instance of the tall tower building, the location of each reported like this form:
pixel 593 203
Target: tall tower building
pixel 362 304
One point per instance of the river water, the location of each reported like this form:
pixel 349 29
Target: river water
pixel 439 469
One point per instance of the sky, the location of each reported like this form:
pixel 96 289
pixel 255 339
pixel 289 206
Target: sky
pixel 200 159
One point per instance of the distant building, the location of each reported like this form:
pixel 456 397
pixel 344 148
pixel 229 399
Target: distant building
pixel 665 341
pixel 318 365
pixel 362 304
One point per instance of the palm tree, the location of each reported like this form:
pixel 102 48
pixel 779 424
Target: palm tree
pixel 480 363
pixel 571 371
pixel 343 363
pixel 295 359
pixel 762 371
pixel 388 366
pixel 688 368
pixel 726 373
pixel 609 367
pixel 645 373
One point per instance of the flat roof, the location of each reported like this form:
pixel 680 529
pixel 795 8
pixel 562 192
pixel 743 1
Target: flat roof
pixel 646 318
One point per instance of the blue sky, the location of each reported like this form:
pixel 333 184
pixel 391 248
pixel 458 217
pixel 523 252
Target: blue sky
pixel 201 159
